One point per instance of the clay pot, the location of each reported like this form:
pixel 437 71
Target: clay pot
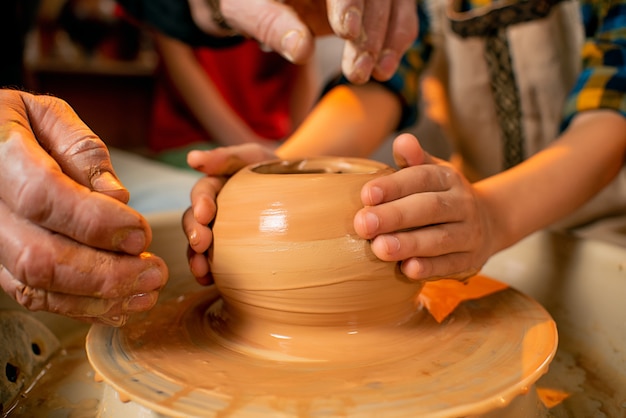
pixel 285 251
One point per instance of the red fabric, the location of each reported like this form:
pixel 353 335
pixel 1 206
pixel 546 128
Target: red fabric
pixel 256 84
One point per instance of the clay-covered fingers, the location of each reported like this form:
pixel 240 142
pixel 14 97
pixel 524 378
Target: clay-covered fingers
pixel 378 33
pixel 196 220
pixel 74 147
pixel 114 312
pixel 40 190
pixel 36 189
pixel 48 271
pixel 199 266
pixel 346 17
pixel 402 30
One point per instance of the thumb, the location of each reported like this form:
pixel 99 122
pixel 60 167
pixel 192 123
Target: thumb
pixel 80 153
pixel 408 152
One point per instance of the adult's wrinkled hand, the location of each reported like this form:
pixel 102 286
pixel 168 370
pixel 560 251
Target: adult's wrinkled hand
pixel 377 32
pixel 426 215
pixel 69 244
pixel 218 165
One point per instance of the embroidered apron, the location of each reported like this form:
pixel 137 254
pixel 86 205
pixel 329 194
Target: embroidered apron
pixel 506 69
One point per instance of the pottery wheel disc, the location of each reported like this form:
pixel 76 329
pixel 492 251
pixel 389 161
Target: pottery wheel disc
pixel 486 353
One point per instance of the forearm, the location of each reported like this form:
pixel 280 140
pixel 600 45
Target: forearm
pixel 348 121
pixel 304 94
pixel 200 94
pixel 556 181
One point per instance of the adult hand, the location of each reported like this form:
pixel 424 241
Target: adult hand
pixel 426 215
pixel 218 165
pixel 377 32
pixel 68 242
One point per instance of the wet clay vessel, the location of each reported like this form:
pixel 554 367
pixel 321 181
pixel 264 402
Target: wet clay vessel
pixel 286 257
pixel 304 321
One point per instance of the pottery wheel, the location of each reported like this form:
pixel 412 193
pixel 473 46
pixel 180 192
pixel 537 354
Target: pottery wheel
pixel 172 360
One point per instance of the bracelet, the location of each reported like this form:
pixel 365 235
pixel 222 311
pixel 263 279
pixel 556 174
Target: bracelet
pixel 218 17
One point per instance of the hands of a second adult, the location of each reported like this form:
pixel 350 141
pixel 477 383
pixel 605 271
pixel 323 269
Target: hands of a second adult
pixel 377 33
pixel 218 165
pixel 68 242
pixel 426 215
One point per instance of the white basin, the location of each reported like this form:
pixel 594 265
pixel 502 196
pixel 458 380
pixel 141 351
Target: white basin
pixel 581 281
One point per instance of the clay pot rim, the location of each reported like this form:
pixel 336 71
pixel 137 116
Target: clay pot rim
pixel 318 165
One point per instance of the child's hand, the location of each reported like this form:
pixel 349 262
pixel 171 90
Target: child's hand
pixel 426 215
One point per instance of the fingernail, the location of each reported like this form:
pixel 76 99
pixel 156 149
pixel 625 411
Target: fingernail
pixel 376 195
pixel 351 23
pixel 392 244
pixel 371 222
pixel 149 280
pixel 193 238
pixel 291 43
pixel 387 64
pixel 140 302
pixel 106 182
pixel 131 241
pixel 363 67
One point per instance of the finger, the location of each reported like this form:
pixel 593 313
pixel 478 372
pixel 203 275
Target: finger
pixel 408 152
pixel 78 151
pixel 273 24
pixel 402 31
pixel 416 209
pixel 225 161
pixel 362 53
pixel 402 183
pixel 89 309
pixel 346 17
pixel 200 268
pixel 449 266
pixel 199 235
pixel 428 241
pixel 52 262
pixel 357 65
pixel 203 198
pixel 34 186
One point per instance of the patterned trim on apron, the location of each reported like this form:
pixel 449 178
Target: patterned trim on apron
pixel 491 23
pixel 488 20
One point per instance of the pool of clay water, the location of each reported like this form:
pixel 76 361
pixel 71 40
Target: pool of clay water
pixel 580 279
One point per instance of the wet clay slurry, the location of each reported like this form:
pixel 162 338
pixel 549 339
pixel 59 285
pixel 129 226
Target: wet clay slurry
pixel 305 321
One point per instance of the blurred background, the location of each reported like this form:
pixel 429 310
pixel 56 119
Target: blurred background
pixel 83 52
pixel 104 66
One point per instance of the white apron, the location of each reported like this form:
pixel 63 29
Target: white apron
pixel 544 56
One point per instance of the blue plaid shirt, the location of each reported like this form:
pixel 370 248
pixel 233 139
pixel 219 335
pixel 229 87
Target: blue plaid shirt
pixel 601 84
